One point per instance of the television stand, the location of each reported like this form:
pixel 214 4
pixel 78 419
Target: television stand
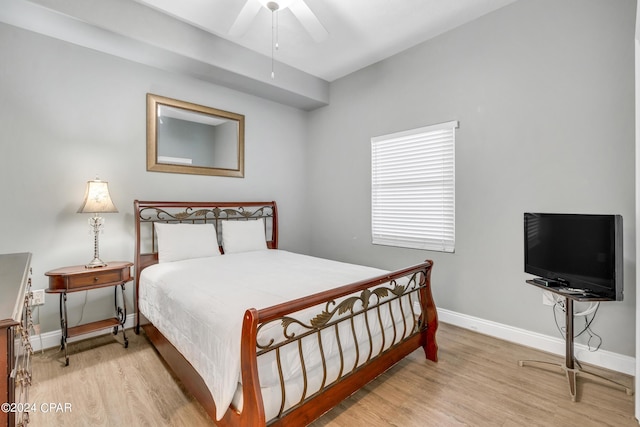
pixel 571 366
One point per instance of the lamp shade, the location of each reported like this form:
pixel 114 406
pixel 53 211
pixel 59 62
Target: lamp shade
pixel 97 198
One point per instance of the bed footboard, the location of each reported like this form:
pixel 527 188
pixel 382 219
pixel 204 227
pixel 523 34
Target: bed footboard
pixel 373 324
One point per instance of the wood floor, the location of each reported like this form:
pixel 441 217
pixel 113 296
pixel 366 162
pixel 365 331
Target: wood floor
pixel 477 382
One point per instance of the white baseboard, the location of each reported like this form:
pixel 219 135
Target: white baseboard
pixel 52 339
pixel 602 358
pixel 605 359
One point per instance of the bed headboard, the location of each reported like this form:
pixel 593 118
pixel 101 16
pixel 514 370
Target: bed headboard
pixel 148 213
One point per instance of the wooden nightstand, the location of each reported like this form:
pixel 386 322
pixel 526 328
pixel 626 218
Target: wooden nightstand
pixel 79 278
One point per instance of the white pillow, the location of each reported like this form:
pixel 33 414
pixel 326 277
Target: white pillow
pixel 243 236
pixel 185 241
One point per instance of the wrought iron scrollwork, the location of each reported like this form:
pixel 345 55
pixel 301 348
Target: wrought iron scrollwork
pixel 203 215
pixel 153 214
pixel 335 312
pixel 354 329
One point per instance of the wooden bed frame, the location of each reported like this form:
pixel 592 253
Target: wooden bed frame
pixel 417 290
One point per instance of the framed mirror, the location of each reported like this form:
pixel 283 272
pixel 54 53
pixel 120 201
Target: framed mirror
pixel 189 138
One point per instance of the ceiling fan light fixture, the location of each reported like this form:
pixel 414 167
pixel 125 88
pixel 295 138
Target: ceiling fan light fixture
pixel 276 5
pixel 298 8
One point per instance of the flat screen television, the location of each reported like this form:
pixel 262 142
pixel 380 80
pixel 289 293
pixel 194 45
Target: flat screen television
pixel 575 251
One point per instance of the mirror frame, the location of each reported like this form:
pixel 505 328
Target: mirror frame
pixel 153 102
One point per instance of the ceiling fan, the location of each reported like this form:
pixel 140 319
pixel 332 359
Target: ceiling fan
pixel 298 7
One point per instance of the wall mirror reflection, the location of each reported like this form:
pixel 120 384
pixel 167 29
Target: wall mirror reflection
pixel 183 137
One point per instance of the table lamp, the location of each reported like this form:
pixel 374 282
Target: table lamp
pixel 96 201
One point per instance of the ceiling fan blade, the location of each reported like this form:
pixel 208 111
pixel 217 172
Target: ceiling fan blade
pixel 309 20
pixel 245 18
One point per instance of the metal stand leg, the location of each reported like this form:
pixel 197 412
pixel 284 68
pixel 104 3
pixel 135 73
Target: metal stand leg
pixel 569 366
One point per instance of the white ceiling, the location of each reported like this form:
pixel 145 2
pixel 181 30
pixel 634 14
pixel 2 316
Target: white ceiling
pixel 361 32
pixel 191 37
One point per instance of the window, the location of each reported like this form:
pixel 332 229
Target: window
pixel 413 188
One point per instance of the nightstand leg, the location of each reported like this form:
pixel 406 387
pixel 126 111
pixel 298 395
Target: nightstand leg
pixel 121 314
pixel 63 326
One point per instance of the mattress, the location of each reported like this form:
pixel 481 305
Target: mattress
pixel 199 304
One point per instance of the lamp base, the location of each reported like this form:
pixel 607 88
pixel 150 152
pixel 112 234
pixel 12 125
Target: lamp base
pixel 96 262
pixel 96 224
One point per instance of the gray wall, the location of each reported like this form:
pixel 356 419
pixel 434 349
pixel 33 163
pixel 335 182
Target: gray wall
pixel 544 93
pixel 68 113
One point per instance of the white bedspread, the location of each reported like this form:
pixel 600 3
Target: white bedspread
pixel 199 304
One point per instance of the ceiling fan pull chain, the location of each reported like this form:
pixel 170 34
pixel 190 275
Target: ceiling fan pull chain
pixel 277 12
pixel 273 43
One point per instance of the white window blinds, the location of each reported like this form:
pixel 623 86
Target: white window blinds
pixel 413 188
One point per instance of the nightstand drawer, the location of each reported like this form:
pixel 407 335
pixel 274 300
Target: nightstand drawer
pixel 93 279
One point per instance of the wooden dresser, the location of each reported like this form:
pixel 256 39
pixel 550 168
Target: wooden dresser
pixel 15 346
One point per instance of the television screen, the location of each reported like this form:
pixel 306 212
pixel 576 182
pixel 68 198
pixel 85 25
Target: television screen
pixel 575 250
